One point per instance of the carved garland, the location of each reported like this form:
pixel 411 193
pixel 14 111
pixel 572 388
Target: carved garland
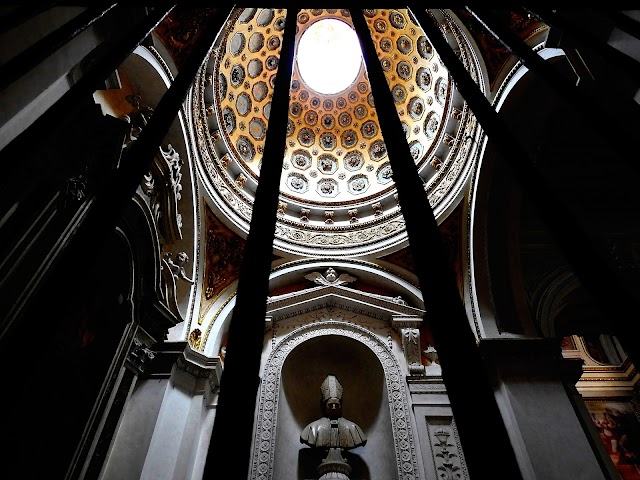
pixel 264 442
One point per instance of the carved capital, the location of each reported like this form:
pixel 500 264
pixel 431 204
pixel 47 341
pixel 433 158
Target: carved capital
pixel 411 347
pixel 203 371
pixel 399 322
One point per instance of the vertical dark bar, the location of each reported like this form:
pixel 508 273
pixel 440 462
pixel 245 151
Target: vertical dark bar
pixel 229 454
pixel 586 102
pixel 462 365
pixel 67 105
pixel 582 250
pixel 19 65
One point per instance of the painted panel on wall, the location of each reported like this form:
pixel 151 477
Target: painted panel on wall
pixel 619 429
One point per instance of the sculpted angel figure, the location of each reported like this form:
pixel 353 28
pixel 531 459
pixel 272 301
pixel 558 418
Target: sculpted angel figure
pixel 330 277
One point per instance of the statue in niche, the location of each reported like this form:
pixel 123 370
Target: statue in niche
pixel 138 118
pixel 333 432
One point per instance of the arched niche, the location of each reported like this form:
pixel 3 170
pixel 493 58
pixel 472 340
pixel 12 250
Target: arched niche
pixel 358 370
pixel 289 399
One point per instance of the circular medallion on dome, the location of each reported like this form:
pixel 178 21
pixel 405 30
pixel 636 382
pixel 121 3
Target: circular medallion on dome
pixel 344 119
pixel 311 117
pixel 243 104
pixel 259 91
pixel 301 159
pixel 236 45
pixel 327 164
pixel 358 184
pixel 328 187
pixel 353 161
pixel 298 183
pixel 256 42
pixel 255 68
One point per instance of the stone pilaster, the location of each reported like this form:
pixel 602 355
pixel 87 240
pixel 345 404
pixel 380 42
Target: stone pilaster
pixel 181 433
pixel 532 386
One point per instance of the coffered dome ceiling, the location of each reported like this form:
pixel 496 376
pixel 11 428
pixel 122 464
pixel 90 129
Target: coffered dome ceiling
pixel 337 195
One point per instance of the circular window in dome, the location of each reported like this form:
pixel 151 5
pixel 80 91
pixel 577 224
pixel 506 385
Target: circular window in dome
pixel 329 46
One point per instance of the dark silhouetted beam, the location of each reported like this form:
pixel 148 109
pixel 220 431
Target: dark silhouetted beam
pixel 462 366
pixel 582 248
pixel 22 14
pixel 229 454
pixel 24 61
pixel 626 63
pixel 622 21
pixel 587 103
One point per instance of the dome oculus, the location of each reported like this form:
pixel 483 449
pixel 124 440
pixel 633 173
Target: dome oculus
pixel 329 56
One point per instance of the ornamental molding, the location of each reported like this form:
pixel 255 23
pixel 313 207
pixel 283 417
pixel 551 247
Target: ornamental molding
pixel 349 234
pixel 400 415
pixel 377 306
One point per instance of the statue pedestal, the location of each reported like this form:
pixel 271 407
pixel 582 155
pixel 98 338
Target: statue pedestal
pixel 334 466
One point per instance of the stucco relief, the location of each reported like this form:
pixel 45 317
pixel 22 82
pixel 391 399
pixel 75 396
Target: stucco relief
pixel 264 440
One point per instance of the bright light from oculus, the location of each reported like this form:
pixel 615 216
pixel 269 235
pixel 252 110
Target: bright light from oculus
pixel 329 56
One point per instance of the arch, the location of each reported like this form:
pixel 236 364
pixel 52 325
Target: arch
pixel 215 323
pixel 265 431
pixel 494 195
pixel 562 307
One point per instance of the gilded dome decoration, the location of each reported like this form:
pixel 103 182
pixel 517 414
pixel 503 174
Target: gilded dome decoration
pixel 335 152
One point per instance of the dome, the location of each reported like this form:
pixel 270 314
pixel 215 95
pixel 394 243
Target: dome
pixel 337 195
